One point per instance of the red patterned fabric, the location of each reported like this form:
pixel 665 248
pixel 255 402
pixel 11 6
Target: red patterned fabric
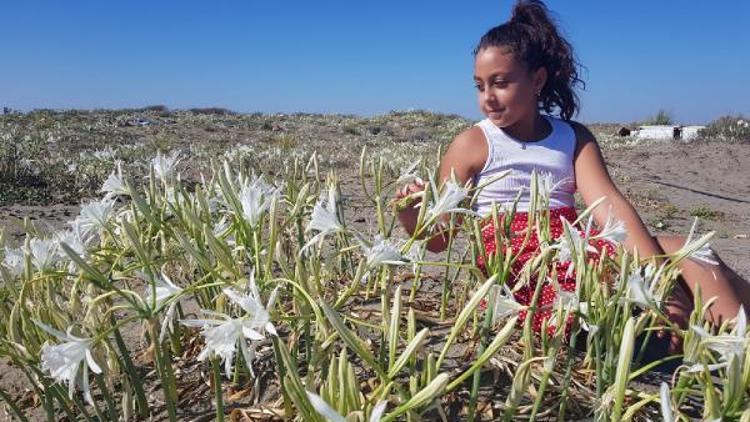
pixel 566 280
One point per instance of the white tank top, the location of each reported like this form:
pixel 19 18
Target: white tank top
pixel 552 156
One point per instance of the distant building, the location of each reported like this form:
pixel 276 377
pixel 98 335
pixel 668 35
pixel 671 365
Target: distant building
pixel 685 133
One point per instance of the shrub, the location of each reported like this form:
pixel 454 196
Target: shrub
pixel 662 117
pixel 728 128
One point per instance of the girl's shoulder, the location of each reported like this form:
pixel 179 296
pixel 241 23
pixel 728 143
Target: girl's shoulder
pixel 469 148
pixel 583 135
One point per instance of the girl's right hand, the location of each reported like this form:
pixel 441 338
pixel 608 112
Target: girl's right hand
pixel 409 190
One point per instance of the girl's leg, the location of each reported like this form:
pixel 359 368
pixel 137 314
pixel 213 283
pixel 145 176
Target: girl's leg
pixel 715 280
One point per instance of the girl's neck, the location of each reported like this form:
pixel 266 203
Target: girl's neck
pixel 532 129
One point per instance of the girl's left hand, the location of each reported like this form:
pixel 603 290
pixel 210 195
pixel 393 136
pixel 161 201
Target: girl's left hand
pixel 678 309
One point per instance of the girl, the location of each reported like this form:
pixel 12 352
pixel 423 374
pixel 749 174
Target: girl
pixel 523 67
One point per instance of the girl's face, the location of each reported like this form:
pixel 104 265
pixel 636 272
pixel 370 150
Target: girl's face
pixel 507 90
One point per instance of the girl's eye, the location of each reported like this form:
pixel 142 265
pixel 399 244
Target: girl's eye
pixel 478 87
pixel 500 83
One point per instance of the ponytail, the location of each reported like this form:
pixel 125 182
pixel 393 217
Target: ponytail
pixel 532 37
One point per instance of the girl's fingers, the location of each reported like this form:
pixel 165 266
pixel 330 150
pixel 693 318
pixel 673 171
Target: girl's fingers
pixel 409 189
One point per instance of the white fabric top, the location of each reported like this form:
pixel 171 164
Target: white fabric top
pixel 552 156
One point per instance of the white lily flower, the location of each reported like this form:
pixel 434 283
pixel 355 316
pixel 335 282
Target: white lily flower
pixel 222 336
pixel 76 240
pixel 547 185
pixel 324 218
pixel 447 201
pixel 43 253
pixel 164 165
pixel 163 290
pixel 505 303
pixel 704 254
pixel 613 230
pixel 382 252
pixel 328 412
pixel 62 361
pixel 256 198
pixel 416 253
pixel 115 184
pixel 570 302
pixel 409 174
pixel 14 261
pixel 728 346
pixel 252 304
pixel 94 216
pixel 641 286
pixel 572 243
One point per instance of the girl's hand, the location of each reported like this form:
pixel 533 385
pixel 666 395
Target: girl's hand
pixel 409 195
pixel 678 308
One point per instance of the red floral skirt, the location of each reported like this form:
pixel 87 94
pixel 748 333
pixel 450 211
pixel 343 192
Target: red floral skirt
pixel 565 278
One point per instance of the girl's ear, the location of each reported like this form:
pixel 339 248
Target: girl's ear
pixel 539 78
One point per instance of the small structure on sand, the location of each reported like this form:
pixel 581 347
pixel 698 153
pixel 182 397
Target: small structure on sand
pixel 685 133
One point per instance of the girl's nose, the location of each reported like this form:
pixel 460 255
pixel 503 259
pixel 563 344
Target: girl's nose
pixel 487 95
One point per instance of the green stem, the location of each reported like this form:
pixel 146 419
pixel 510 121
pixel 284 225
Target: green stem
pixel 487 324
pixel 217 390
pixel 135 379
pixel 112 409
pixel 166 381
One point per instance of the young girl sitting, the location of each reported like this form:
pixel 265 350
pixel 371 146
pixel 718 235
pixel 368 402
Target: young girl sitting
pixel 523 67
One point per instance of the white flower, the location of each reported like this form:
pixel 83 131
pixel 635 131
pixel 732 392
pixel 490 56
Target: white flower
pixel 572 243
pixel 14 261
pixel 547 185
pixel 505 303
pixel 409 175
pixel 613 230
pixel 416 253
pixel 62 361
pixel 222 335
pixel 115 185
pixel 728 346
pixel 76 240
pixel 94 216
pixel 570 302
pixel 324 217
pixel 328 412
pixel 164 165
pixel 43 253
pixel 641 287
pixel 256 198
pixel 447 201
pixel 382 252
pixel 162 290
pixel 703 253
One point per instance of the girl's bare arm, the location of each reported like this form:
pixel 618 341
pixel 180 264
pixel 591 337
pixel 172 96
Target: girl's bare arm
pixel 465 157
pixel 593 182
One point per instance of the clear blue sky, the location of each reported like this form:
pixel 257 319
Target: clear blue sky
pixel 690 57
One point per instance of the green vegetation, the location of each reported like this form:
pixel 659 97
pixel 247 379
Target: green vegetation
pixel 662 117
pixel 728 128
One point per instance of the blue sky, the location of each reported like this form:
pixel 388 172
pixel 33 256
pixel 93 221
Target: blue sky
pixel 691 58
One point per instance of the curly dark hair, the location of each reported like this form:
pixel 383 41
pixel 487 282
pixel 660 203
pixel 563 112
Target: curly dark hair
pixel 532 36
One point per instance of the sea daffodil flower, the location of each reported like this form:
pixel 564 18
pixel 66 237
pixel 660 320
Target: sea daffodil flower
pixel 63 361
